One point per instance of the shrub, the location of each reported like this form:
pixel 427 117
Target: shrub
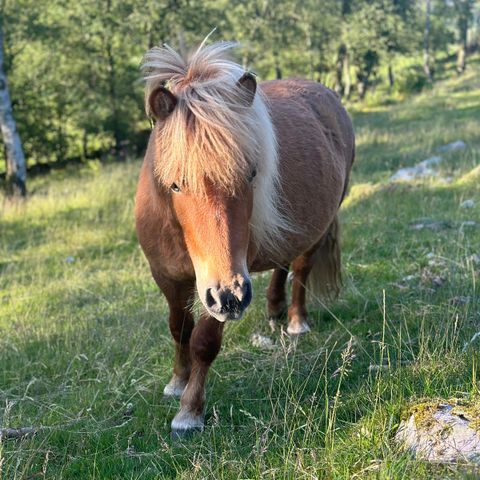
pixel 411 80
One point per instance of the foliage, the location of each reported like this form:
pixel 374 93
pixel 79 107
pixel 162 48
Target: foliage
pixel 73 66
pixel 411 79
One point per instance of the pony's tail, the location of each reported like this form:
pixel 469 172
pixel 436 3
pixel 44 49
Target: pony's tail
pixel 325 279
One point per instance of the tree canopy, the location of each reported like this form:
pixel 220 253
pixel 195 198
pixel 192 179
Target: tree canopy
pixel 73 67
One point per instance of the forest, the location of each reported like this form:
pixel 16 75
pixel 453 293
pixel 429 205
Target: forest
pixel 71 69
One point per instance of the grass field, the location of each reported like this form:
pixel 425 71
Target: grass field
pixel 85 349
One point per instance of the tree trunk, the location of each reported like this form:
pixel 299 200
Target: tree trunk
pixel 461 58
pixel 245 61
pixel 362 86
pixel 112 86
pixel 462 46
pixel 348 79
pixel 278 70
pixel 112 79
pixel 15 159
pixel 309 45
pixel 426 42
pixel 339 67
pixel 182 49
pixel 84 145
pixel 391 77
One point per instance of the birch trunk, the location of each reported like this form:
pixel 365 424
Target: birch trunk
pixel 426 43
pixel 348 78
pixel 14 156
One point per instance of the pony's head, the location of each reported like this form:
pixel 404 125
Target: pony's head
pixel 216 158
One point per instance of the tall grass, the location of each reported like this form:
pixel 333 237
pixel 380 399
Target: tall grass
pixel 85 349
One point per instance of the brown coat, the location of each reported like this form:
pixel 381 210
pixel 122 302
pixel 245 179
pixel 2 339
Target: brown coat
pixel 316 151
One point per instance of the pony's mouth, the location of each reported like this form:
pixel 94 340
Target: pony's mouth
pixel 223 317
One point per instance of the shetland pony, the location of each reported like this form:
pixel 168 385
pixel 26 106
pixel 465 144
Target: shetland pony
pixel 237 178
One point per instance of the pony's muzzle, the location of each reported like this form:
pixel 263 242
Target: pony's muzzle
pixel 225 303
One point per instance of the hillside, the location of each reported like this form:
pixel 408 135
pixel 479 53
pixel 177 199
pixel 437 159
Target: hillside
pixel 85 347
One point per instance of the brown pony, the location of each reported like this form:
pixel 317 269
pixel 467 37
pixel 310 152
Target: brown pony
pixel 236 179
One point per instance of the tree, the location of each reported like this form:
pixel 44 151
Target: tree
pixel 426 42
pixel 15 159
pixel 364 43
pixel 73 73
pixel 464 14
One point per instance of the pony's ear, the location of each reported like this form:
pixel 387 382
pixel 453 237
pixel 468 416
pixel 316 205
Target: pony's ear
pixel 161 103
pixel 248 84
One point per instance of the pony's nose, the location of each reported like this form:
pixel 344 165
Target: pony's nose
pixel 229 302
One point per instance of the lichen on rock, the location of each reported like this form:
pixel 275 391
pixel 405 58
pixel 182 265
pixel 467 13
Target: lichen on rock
pixel 442 431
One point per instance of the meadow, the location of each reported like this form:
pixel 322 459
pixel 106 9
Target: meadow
pixel 85 349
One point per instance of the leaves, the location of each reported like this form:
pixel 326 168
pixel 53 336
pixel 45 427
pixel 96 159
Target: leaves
pixel 73 66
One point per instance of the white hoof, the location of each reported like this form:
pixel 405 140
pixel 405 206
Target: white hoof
pixel 298 328
pixel 174 388
pixel 187 421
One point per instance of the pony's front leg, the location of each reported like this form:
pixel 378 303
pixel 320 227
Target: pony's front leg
pixel 205 344
pixel 179 296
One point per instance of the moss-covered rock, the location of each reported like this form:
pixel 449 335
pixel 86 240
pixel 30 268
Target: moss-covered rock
pixel 442 431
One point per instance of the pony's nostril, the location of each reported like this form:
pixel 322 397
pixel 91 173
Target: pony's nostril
pixel 209 300
pixel 229 301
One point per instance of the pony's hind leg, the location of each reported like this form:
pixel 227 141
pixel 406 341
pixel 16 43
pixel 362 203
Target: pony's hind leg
pixel 276 294
pixel 204 346
pixel 297 313
pixel 325 260
pixel 179 295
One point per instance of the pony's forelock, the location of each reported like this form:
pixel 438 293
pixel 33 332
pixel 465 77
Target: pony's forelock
pixel 214 133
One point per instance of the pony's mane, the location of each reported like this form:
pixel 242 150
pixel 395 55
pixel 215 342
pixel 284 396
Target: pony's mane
pixel 214 134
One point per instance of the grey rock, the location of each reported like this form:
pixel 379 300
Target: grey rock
pixel 446 436
pixel 468 203
pixel 431 162
pixel 421 170
pixel 452 147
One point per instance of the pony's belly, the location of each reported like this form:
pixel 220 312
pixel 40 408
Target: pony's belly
pixel 297 246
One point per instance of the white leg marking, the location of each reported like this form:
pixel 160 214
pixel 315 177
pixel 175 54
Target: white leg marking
pixel 175 387
pixel 185 420
pixel 297 326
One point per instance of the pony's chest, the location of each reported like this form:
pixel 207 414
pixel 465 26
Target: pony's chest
pixel 164 246
pixel 173 258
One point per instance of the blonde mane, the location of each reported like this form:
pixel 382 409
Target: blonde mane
pixel 213 134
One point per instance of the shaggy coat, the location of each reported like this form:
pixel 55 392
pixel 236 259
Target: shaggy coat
pixel 236 179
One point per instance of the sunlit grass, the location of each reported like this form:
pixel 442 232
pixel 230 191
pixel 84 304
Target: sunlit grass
pixel 85 347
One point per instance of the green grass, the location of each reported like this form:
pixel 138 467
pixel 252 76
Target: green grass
pixel 85 348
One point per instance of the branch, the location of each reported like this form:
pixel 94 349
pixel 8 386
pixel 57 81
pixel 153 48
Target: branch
pixel 10 433
pixel 15 433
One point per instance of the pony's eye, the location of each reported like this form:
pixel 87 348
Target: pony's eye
pixel 253 175
pixel 174 187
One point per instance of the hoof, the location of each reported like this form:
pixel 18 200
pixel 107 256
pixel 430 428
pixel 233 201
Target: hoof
pixel 298 328
pixel 178 435
pixel 174 388
pixel 185 424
